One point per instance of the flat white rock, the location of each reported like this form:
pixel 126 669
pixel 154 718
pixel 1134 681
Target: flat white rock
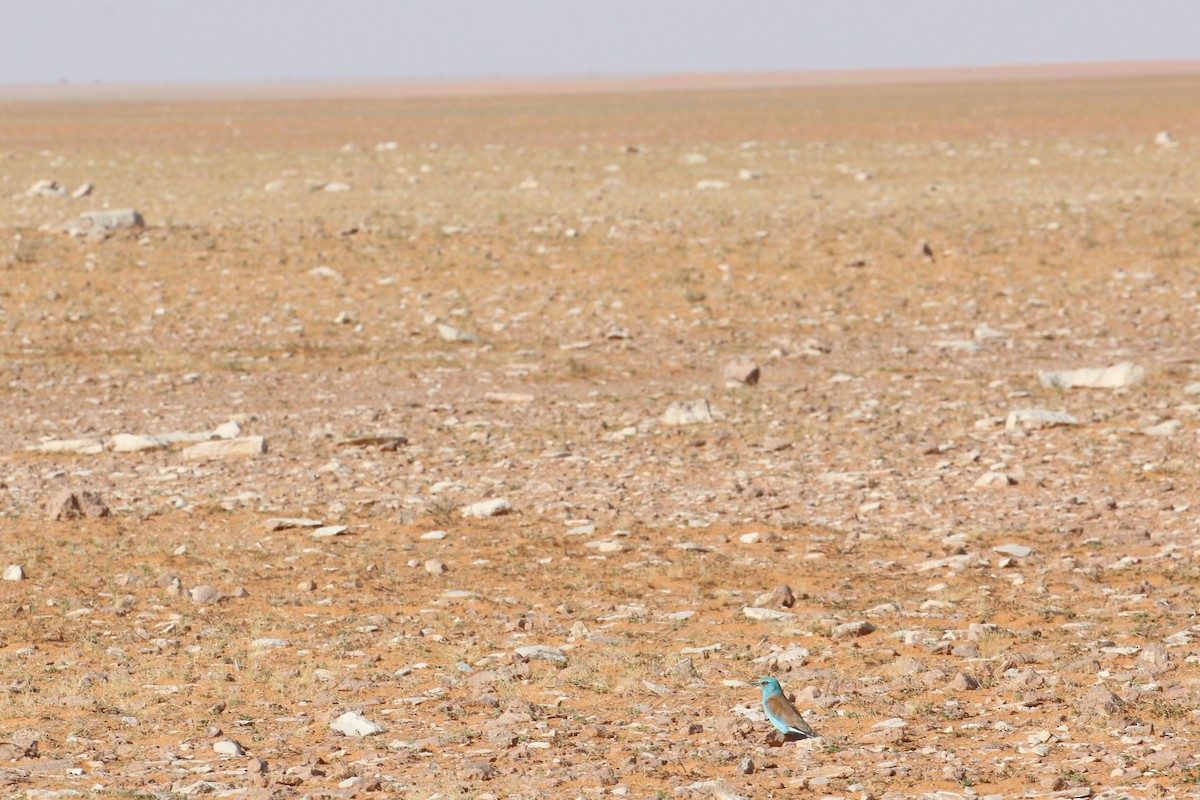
pixel 1014 550
pixel 487 508
pixel 270 643
pixel 449 333
pixel 14 572
pixel 353 723
pixel 1168 428
pixel 329 530
pixel 283 523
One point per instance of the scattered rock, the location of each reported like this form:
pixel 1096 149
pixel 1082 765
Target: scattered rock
pixel 710 183
pixel 435 567
pixel 1163 140
pixel 779 597
pixel 384 441
pixel 86 447
pixel 1014 550
pixel 752 612
pixel 83 191
pixel 1163 429
pixel 14 572
pixel 326 531
pixel 76 504
pixel 1114 377
pixel 283 523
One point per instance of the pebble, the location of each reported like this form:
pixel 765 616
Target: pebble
pixel 84 447
pixel 269 643
pixel 283 523
pixel 326 531
pixel 14 572
pixel 752 612
pixel 434 536
pixel 353 723
pixel 135 443
pixel 1114 377
pixel 487 508
pixel 1164 429
pixel 91 222
pixel 436 567
pixel 46 188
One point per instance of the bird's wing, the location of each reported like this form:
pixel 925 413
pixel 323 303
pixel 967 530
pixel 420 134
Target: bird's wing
pixel 787 713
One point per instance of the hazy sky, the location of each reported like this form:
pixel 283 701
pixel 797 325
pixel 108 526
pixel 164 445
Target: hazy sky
pixel 83 41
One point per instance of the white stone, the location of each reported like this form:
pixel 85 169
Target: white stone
pixel 353 723
pixel 1014 550
pixel 607 546
pixel 329 530
pixel 14 572
pixel 435 567
pixel 711 184
pixel 326 272
pixel 227 448
pixel 83 191
pixel 1034 418
pixel 487 508
pixel 508 398
pixel 1192 388
pixel 336 186
pixel 135 443
pixel 1165 141
pixel 90 221
pixel 434 535
pixel 985 332
pixel 1114 377
pixel 687 412
pixel 741 372
pixel 543 652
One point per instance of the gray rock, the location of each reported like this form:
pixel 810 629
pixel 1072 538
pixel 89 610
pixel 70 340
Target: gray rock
pixel 687 412
pixel 1114 377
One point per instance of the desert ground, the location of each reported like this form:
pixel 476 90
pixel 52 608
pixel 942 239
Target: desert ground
pixel 435 465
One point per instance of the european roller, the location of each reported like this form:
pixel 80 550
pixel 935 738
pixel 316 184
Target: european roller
pixel 780 711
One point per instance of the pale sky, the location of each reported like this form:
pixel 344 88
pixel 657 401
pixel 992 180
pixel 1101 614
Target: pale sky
pixel 111 41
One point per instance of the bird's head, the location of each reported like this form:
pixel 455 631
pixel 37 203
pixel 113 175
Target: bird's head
pixel 769 683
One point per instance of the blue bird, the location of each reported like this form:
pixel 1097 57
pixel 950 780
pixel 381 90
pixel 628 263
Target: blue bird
pixel 780 711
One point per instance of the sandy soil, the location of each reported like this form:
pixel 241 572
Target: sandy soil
pixel 900 261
